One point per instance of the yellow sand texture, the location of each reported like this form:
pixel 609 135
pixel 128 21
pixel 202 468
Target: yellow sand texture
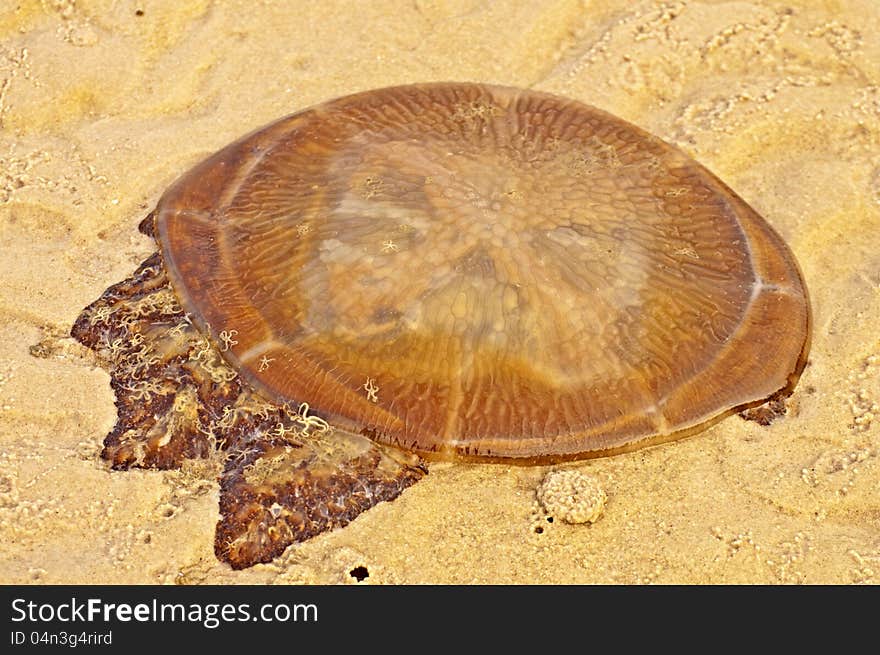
pixel 101 108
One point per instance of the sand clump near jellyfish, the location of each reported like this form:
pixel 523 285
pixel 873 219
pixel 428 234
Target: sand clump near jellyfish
pixel 572 496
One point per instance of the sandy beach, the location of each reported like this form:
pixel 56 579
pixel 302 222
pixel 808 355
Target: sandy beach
pixel 104 103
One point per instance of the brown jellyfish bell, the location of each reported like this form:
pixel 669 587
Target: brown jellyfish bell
pixel 448 270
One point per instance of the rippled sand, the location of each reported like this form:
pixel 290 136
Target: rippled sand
pixel 103 104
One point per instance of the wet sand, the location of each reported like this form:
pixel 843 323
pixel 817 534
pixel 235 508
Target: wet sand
pixel 103 104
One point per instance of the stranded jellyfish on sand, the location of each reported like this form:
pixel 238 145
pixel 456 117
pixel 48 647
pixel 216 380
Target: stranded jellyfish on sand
pixel 446 270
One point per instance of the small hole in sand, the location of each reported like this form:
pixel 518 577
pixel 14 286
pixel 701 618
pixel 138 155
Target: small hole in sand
pixel 359 573
pixel 138 12
pixel 539 530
